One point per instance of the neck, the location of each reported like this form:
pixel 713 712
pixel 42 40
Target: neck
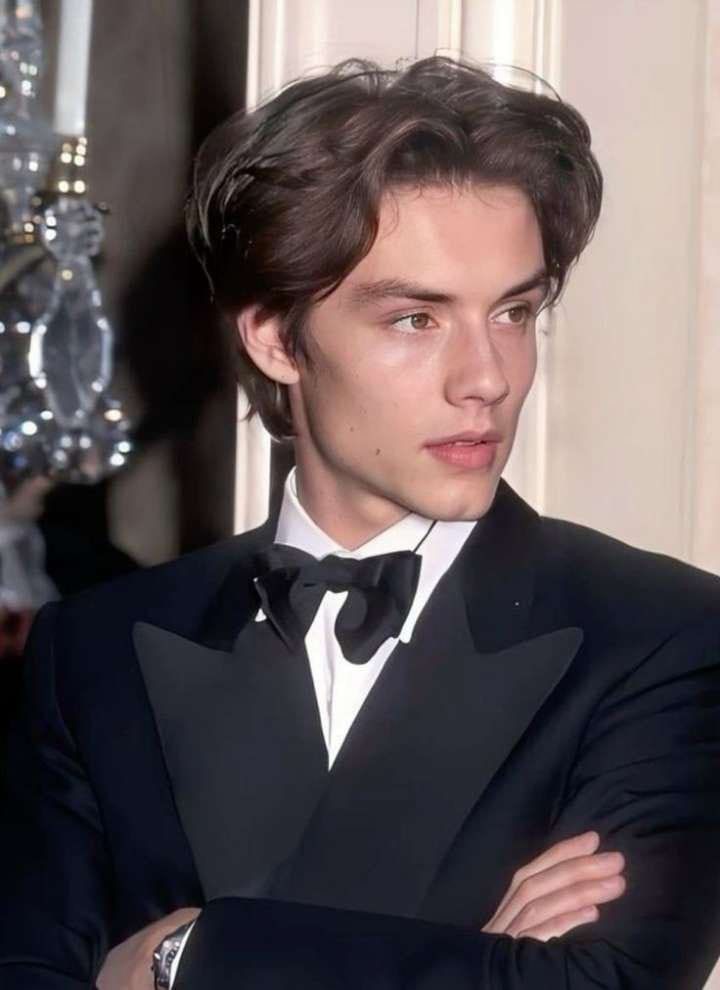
pixel 348 518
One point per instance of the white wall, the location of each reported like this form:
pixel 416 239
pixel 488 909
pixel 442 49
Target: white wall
pixel 705 495
pixel 621 424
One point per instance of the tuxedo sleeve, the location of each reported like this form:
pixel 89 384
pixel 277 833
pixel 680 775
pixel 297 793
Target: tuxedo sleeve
pixel 646 776
pixel 54 878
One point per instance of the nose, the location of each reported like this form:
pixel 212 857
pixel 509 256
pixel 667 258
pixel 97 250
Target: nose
pixel 476 371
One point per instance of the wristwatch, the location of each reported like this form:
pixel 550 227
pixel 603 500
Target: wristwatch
pixel 164 955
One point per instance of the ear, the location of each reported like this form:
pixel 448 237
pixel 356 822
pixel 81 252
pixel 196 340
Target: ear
pixel 261 338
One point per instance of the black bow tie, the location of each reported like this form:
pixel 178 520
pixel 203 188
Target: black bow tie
pixel 291 585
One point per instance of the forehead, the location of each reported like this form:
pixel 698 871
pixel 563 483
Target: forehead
pixel 474 238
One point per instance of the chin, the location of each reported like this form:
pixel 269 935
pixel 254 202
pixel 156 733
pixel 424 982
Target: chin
pixel 450 506
pixel 466 514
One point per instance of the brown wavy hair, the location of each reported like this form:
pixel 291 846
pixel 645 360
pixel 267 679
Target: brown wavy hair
pixel 285 199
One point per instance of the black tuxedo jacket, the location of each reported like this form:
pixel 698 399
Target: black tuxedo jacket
pixel 171 755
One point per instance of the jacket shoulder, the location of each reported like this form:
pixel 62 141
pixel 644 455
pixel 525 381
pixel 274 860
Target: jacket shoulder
pixel 609 582
pixel 174 594
pixel 83 645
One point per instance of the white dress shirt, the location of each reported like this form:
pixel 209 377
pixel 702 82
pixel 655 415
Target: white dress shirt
pixel 341 687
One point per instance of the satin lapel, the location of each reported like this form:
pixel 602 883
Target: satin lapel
pixel 241 738
pixel 496 572
pixel 440 721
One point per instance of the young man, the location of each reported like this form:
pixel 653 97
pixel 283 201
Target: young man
pixel 381 739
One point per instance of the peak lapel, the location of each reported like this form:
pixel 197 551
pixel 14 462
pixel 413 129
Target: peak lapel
pixel 440 721
pixel 496 571
pixel 240 735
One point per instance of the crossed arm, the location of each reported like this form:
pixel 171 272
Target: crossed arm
pixel 550 896
pixel 646 780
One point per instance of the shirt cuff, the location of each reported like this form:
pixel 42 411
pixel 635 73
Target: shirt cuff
pixel 176 961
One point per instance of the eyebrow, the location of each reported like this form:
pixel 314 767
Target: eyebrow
pixel 366 293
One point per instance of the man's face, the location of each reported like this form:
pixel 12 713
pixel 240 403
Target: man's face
pixel 420 362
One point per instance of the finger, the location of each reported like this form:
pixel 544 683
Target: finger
pixel 556 878
pixel 564 923
pixel 579 845
pixel 577 897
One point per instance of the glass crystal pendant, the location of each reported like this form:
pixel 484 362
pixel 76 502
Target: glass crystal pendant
pixel 56 344
pixel 72 346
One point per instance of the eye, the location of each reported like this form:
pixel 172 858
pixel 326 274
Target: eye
pixel 516 316
pixel 413 321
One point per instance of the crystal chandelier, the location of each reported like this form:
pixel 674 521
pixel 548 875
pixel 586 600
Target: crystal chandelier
pixel 57 415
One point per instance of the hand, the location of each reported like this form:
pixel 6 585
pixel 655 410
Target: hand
pixel 127 966
pixel 559 890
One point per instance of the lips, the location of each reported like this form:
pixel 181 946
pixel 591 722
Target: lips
pixel 467 438
pixel 468 450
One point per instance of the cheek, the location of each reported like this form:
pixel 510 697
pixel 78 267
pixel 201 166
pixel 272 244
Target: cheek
pixel 521 365
pixel 381 379
pixel 343 404
pixel 366 420
pixel 529 368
